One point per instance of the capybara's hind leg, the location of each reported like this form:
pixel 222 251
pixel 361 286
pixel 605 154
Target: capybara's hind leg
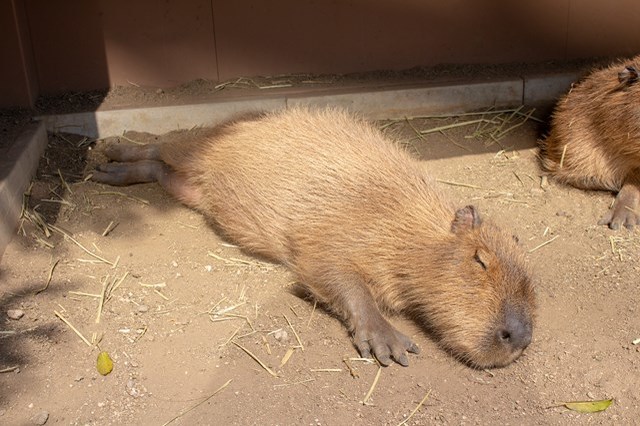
pixel 626 207
pixel 129 153
pixel 120 174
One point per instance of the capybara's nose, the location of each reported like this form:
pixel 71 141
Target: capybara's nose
pixel 516 331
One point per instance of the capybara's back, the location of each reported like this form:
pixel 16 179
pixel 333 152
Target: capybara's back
pixel 594 141
pixel 361 225
pixel 265 179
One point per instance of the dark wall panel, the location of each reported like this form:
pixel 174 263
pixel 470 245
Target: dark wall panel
pixel 279 36
pixel 18 82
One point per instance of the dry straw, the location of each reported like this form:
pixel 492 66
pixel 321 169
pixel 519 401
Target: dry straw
pixel 255 358
pixel 199 403
pixel 365 401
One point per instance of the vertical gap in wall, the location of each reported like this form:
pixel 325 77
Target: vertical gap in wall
pixel 215 41
pixel 26 70
pixel 566 34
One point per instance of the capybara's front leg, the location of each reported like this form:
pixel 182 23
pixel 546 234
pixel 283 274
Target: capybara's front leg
pixel 349 296
pixel 626 207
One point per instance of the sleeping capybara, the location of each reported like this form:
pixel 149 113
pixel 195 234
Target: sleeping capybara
pixel 360 224
pixel 594 141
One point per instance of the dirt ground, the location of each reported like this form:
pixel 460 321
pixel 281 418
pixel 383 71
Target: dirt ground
pixel 181 304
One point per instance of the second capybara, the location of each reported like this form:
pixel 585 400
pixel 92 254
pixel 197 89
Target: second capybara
pixel 358 221
pixel 594 141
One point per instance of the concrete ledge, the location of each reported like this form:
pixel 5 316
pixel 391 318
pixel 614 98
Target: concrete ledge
pixel 547 88
pixel 440 99
pixel 101 124
pixel 372 102
pixel 16 171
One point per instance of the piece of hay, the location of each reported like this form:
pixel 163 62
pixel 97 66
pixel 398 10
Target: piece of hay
pixel 294 333
pixel 49 277
pixel 84 339
pixel 255 358
pixel 373 386
pixel 465 185
pixel 543 244
pixel 69 237
pixel 416 409
pixel 199 403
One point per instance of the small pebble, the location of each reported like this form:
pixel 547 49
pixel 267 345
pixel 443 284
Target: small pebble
pixel 143 308
pixel 132 390
pixel 40 418
pixel 281 336
pixel 15 314
pixel 159 92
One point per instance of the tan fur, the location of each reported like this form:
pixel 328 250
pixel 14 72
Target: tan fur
pixel 597 124
pixel 351 214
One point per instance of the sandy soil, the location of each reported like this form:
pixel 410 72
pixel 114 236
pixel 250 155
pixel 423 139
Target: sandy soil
pixel 187 296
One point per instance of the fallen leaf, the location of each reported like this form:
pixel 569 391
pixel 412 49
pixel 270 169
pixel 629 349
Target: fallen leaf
pixel 588 406
pixel 104 364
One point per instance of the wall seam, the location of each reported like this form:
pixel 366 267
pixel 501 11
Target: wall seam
pixel 215 41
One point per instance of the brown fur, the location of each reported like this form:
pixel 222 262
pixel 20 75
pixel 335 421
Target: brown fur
pixel 361 225
pixel 597 126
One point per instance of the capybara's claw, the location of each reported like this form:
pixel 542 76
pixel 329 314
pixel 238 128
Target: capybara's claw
pixel 613 219
pixel 386 344
pixel 625 209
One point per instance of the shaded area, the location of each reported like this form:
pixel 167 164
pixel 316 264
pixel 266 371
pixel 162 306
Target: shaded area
pixel 15 335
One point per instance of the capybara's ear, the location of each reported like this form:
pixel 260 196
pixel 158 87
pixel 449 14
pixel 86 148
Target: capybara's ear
pixel 465 219
pixel 628 75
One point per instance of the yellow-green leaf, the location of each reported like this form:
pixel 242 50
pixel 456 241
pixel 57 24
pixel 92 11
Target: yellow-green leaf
pixel 588 406
pixel 104 364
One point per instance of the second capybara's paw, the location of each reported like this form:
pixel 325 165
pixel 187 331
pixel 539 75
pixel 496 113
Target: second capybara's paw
pixel 616 217
pixel 382 340
pixel 624 211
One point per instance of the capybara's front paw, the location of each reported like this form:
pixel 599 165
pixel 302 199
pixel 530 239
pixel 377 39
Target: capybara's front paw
pixel 380 339
pixel 625 209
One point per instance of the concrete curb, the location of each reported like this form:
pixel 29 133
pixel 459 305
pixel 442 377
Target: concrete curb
pixel 373 102
pixel 16 171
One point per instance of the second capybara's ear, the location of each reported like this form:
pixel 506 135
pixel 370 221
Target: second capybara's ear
pixel 628 75
pixel 465 219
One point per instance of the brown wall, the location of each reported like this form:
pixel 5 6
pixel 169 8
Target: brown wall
pixel 55 46
pixel 18 82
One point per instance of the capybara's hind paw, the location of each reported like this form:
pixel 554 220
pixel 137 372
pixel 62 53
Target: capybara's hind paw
pixel 385 343
pixel 625 209
pixel 117 174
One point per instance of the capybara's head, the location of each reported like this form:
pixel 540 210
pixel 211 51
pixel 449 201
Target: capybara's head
pixel 483 312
